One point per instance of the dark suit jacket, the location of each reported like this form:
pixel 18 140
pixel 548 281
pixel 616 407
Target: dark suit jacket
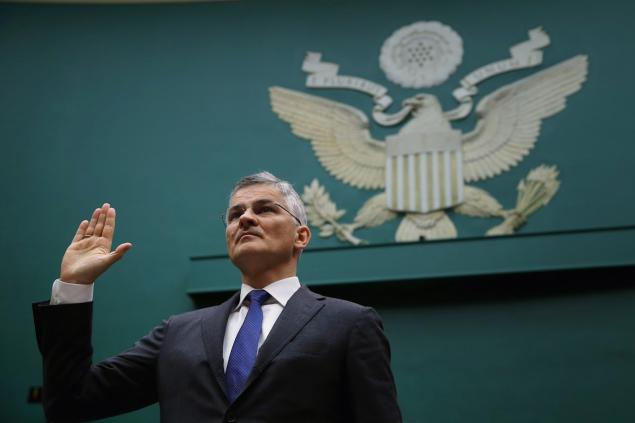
pixel 325 360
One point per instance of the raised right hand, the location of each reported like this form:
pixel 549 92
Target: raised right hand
pixel 89 254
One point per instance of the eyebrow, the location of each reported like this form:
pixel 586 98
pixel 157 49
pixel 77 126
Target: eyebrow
pixel 255 203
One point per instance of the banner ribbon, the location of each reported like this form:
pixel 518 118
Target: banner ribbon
pixel 325 75
pixel 523 55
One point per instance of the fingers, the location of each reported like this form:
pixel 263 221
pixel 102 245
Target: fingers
pixel 119 252
pixel 109 224
pixel 81 230
pixel 102 223
pixel 93 221
pixel 101 219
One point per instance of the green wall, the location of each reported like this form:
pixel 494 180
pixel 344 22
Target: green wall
pixel 158 109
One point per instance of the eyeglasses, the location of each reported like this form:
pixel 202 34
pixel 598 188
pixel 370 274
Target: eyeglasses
pixel 259 208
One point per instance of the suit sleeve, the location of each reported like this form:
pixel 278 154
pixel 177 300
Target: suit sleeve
pixel 371 384
pixel 74 389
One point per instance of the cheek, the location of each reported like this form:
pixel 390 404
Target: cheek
pixel 285 237
pixel 228 238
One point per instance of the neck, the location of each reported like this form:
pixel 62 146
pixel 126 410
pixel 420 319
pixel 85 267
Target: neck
pixel 261 278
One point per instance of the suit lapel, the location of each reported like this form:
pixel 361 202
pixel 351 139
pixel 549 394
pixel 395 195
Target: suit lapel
pixel 300 309
pixel 213 330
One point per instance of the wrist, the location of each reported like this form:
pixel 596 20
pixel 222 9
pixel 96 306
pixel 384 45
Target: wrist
pixel 73 281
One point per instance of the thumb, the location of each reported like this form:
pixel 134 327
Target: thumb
pixel 119 252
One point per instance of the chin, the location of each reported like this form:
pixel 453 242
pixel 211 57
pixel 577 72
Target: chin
pixel 246 250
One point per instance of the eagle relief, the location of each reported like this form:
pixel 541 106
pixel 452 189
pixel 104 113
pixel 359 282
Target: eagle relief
pixel 424 169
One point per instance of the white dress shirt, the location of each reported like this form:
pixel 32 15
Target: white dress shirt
pixel 280 291
pixel 70 293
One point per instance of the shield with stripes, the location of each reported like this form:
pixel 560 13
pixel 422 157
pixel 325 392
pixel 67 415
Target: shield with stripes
pixel 424 171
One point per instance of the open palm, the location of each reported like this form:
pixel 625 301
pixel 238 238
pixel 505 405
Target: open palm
pixel 89 254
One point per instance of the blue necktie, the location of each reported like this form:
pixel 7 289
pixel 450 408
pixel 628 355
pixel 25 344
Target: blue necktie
pixel 243 354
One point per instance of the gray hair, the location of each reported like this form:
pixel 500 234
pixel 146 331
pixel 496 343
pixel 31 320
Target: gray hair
pixel 291 197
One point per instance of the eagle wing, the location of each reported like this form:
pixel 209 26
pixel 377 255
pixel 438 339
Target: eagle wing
pixel 338 133
pixel 510 118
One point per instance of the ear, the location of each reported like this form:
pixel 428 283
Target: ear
pixel 302 237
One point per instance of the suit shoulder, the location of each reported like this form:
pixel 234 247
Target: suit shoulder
pixel 345 305
pixel 188 316
pixel 195 316
pixel 344 308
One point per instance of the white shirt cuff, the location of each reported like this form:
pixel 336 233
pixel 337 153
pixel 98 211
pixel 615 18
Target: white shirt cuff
pixel 70 293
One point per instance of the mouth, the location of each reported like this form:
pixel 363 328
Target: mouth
pixel 247 235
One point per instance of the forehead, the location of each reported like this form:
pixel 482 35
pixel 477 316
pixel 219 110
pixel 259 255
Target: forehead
pixel 251 193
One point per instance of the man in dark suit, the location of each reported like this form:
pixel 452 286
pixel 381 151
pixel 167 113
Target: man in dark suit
pixel 274 352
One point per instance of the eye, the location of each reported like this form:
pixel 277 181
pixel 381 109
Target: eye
pixel 264 208
pixel 233 215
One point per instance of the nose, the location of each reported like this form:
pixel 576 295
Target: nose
pixel 247 219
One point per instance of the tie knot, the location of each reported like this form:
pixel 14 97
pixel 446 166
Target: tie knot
pixel 258 296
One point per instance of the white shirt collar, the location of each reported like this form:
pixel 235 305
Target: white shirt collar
pixel 280 291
